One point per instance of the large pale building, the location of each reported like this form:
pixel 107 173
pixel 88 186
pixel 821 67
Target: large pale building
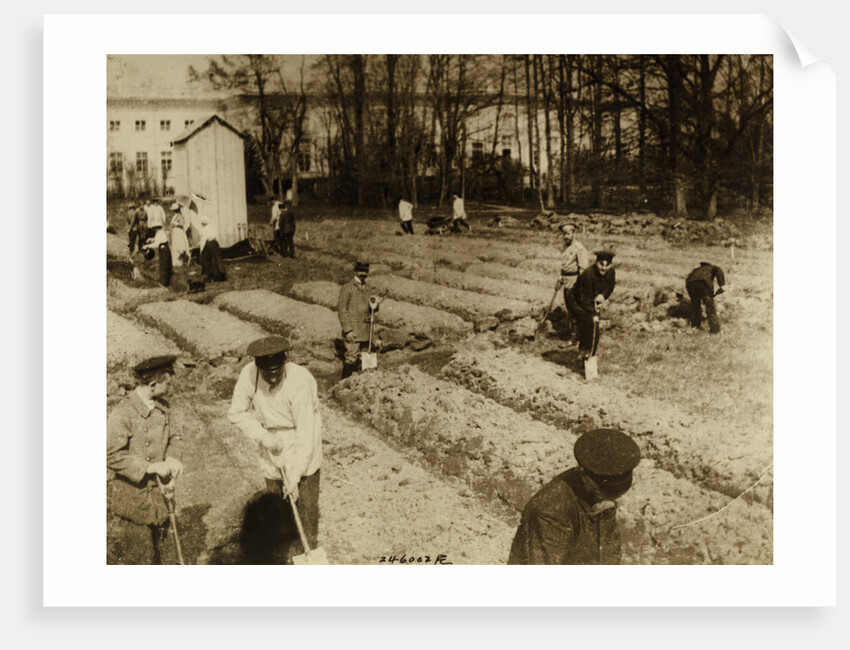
pixel 139 139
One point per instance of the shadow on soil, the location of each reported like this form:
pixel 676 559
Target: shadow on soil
pixel 267 531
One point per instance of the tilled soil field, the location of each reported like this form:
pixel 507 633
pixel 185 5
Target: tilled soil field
pixel 432 456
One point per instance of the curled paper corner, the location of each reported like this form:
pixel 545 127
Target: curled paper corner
pixel 797 48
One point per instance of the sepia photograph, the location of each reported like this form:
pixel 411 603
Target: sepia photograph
pixel 439 309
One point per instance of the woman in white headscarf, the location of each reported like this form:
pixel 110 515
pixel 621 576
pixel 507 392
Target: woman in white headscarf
pixel 180 252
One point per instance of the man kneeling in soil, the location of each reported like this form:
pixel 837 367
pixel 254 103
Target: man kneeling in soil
pixel 276 403
pixel 572 520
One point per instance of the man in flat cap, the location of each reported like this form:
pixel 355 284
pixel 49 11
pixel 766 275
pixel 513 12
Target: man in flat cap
pixel 575 259
pixel 141 445
pixel 276 403
pixel 354 308
pixel 593 287
pixel 572 519
pixel 700 286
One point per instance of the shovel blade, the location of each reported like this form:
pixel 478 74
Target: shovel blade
pixel 368 360
pixel 591 369
pixel 316 557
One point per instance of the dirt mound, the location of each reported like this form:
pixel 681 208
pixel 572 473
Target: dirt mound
pixel 205 330
pixel 467 304
pixel 405 316
pixel 507 455
pixel 128 344
pixel 308 326
pixel 712 454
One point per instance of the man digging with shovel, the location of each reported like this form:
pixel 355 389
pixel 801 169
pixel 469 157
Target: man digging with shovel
pixel 593 287
pixel 276 403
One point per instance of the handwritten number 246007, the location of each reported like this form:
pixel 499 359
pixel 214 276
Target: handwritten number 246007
pixel 413 559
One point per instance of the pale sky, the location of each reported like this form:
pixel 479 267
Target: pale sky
pixel 165 76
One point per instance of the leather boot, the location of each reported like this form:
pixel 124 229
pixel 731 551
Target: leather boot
pixel 348 369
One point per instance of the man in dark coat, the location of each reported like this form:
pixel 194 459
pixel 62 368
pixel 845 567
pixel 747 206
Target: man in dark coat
pixel 355 312
pixel 589 293
pixel 287 231
pixel 140 446
pixel 700 286
pixel 572 519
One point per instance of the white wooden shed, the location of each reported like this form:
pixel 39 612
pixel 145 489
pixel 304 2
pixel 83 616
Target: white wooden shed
pixel 208 161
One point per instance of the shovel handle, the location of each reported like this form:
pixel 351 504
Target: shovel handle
pixel 173 517
pixel 300 526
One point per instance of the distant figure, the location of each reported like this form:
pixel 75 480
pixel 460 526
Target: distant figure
pixel 354 313
pixel 212 266
pixel 459 214
pixel 575 259
pixel 589 293
pixel 700 286
pixel 405 215
pixel 159 244
pixel 286 220
pixel 572 519
pixel 180 252
pixel 274 221
pixel 137 219
pixel 156 214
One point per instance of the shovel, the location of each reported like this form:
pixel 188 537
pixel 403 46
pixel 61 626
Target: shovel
pixel 369 360
pixel 591 370
pixel 169 503
pixel 316 556
pixel 548 309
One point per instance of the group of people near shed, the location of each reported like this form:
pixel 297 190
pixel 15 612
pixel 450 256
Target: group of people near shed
pixel 275 403
pixel 153 236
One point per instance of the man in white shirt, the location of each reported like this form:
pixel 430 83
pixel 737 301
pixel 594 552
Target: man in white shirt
pixel 275 224
pixel 459 214
pixel 156 214
pixel 405 215
pixel 276 403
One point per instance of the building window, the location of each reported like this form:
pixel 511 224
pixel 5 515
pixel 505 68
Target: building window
pixel 304 149
pixel 477 153
pixel 165 125
pixel 116 163
pixel 166 164
pixel 114 125
pixel 141 162
pixel 187 124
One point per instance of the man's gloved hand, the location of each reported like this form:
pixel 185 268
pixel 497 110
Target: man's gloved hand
pixel 159 468
pixel 349 337
pixel 175 466
pixel 719 291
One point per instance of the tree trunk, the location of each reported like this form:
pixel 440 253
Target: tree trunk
pixel 531 114
pixel 358 68
pixel 675 93
pixel 547 100
pixel 642 127
pixel 516 133
pixel 598 190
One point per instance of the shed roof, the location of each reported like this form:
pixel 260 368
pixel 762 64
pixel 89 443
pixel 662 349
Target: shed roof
pixel 201 123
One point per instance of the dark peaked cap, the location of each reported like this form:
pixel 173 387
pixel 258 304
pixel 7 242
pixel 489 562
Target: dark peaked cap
pixel 153 366
pixel 269 350
pixel 607 452
pixel 361 267
pixel 604 255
